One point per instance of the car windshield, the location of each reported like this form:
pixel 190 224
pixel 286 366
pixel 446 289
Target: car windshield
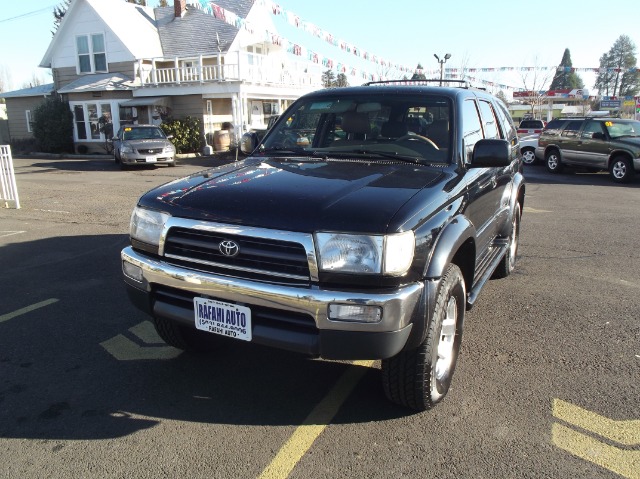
pixel 407 127
pixel 143 133
pixel 618 128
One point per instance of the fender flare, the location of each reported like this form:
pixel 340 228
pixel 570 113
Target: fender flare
pixel 453 236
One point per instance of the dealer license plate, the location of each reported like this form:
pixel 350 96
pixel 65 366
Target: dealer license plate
pixel 226 319
pixel 151 159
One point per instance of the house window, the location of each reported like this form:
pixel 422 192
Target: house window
pixel 92 56
pixel 29 121
pixel 92 121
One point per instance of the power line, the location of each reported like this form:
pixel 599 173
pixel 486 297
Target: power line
pixel 28 14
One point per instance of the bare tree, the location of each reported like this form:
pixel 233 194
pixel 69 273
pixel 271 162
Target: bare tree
pixel 35 80
pixel 5 79
pixel 535 81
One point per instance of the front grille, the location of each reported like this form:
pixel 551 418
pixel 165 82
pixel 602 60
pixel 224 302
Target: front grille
pixel 258 258
pixel 150 151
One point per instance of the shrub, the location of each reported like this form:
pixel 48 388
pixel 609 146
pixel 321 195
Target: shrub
pixel 53 126
pixel 187 134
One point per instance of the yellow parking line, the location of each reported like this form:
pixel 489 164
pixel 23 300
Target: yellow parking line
pixel 316 422
pixel 28 309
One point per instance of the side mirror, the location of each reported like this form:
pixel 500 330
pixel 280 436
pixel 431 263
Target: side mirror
pixel 598 136
pixel 248 143
pixel 491 154
pixel 169 137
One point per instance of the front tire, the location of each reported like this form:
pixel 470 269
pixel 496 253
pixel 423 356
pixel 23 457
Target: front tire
pixel 554 164
pixel 181 337
pixel 420 378
pixel 621 170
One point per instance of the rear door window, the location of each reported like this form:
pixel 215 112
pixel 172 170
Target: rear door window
pixel 489 121
pixel 572 128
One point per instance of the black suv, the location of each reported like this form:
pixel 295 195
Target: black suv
pixel 610 144
pixel 362 226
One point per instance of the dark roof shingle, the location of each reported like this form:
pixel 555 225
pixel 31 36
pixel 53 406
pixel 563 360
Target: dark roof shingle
pixel 198 32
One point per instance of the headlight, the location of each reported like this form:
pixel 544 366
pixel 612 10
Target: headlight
pixel 147 225
pixel 126 149
pixel 368 254
pixel 168 149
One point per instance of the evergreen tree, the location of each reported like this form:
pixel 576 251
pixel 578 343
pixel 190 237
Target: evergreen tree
pixel 419 74
pixel 502 96
pixel 341 80
pixel 618 70
pixel 328 78
pixel 565 79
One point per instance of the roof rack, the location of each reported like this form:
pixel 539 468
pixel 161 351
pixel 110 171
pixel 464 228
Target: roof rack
pixel 460 83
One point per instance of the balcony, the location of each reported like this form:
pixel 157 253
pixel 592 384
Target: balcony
pixel 273 70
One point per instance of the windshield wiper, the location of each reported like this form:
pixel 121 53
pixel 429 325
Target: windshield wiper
pixel 282 149
pixel 383 154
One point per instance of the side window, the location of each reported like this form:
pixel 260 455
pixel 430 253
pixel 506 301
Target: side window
pixel 471 127
pixel 489 122
pixel 29 121
pixel 590 128
pixel 572 128
pixel 508 129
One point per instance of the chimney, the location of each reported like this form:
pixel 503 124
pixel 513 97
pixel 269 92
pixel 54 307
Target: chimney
pixel 179 7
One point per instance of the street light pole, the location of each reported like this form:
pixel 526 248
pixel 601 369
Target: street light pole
pixel 442 62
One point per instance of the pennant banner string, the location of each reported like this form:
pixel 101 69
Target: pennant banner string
pixel 299 50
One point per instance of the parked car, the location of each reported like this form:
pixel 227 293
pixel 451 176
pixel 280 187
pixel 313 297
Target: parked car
pixel 143 145
pixel 530 127
pixel 528 145
pixel 343 235
pixel 609 144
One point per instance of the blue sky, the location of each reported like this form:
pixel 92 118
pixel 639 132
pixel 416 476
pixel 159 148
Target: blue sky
pixel 477 34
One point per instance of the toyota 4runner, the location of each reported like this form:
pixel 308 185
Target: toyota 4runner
pixel 363 226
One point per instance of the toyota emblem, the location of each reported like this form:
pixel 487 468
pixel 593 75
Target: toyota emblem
pixel 229 248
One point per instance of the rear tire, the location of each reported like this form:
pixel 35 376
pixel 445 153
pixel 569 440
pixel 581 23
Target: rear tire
pixel 420 378
pixel 554 164
pixel 528 156
pixel 508 263
pixel 621 170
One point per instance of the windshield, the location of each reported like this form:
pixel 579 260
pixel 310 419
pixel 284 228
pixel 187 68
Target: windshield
pixel 142 133
pixel 618 128
pixel 386 126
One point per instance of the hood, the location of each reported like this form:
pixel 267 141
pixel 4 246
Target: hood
pixel 632 141
pixel 147 144
pixel 298 194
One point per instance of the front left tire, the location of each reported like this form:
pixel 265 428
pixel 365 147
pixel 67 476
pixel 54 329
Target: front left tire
pixel 420 378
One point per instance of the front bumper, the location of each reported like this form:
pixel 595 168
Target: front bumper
pixel 137 159
pixel 297 317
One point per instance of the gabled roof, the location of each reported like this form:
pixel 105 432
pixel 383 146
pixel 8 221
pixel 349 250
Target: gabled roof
pixel 198 32
pixel 132 24
pixel 40 90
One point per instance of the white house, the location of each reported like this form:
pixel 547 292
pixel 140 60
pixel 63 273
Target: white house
pixel 124 63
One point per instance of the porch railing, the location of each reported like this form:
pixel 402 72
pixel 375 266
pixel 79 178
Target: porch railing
pixel 8 179
pixel 237 66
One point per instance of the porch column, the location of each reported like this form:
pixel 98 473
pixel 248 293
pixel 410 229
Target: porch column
pixel 176 65
pixel 154 72
pixel 200 69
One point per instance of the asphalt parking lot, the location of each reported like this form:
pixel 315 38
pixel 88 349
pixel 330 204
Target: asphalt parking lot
pixel 547 384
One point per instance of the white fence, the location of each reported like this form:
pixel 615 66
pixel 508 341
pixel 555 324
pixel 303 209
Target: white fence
pixel 8 179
